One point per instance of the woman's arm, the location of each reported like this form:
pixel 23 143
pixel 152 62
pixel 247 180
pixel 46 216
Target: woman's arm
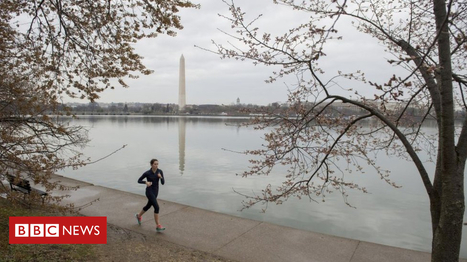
pixel 140 180
pixel 161 177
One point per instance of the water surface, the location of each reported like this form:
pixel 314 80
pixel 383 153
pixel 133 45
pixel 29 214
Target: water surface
pixel 200 173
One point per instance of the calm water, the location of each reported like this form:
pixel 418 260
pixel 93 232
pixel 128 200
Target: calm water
pixel 200 173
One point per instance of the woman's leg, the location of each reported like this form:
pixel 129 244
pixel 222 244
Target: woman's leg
pixel 159 227
pixel 156 218
pixel 145 208
pixel 152 201
pixel 141 213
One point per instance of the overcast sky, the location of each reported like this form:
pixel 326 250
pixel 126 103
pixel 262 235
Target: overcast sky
pixel 211 80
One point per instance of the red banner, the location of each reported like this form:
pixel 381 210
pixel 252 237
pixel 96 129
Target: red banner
pixel 58 230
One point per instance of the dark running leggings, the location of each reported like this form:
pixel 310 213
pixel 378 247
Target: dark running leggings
pixel 152 201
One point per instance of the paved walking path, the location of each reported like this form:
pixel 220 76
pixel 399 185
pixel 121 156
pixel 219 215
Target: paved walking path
pixel 231 237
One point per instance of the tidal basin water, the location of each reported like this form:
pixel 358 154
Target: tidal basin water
pixel 200 172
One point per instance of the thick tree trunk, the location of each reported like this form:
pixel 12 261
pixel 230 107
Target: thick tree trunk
pixel 447 206
pixel 447 233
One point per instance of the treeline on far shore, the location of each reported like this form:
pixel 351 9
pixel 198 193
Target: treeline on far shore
pixel 162 109
pixel 237 109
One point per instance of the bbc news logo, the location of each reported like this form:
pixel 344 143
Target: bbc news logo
pixel 37 230
pixel 58 230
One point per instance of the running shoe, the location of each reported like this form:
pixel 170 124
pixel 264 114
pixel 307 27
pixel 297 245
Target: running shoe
pixel 160 228
pixel 138 218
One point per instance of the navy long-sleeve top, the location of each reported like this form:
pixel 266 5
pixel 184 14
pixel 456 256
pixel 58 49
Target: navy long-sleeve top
pixel 152 177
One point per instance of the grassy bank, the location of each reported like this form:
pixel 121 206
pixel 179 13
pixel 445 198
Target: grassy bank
pixel 123 245
pixel 37 252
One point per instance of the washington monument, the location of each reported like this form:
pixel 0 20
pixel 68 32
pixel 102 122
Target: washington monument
pixel 181 85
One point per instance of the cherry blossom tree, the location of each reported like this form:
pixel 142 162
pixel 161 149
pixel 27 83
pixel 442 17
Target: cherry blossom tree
pixel 331 126
pixel 50 49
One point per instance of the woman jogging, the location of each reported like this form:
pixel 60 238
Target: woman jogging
pixel 152 176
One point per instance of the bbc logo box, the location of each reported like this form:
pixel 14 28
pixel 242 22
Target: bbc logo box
pixel 58 230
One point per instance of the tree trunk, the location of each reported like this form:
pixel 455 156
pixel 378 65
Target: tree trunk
pixel 447 236
pixel 447 206
pixel 450 208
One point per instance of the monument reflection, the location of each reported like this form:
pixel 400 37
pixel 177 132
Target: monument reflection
pixel 181 144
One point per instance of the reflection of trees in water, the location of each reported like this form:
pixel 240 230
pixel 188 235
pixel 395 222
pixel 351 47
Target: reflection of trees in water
pixel 174 120
pixel 161 120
